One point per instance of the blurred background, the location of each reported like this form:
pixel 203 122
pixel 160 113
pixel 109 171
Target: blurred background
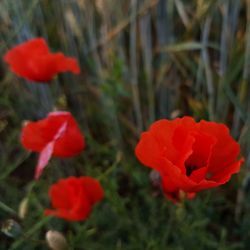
pixel 141 60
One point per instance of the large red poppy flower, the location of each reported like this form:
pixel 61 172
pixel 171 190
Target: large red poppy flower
pixel 57 135
pixel 33 61
pixel 73 198
pixel 190 156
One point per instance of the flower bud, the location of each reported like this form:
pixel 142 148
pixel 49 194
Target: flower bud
pixel 56 240
pixel 23 208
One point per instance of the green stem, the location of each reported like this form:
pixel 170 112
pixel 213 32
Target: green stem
pixel 112 167
pixel 7 209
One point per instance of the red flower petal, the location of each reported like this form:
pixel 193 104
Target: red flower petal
pixel 163 131
pixel 201 149
pixel 177 178
pixel 158 142
pixel 73 198
pixel 189 156
pixel 199 174
pixel 64 63
pixel 93 189
pixel 60 194
pixel 59 127
pixel 57 135
pixel 71 142
pixel 148 151
pixel 225 174
pixel 33 61
pixel 33 137
pixel 225 151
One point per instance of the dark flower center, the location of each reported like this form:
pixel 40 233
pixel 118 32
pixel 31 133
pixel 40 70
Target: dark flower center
pixel 190 169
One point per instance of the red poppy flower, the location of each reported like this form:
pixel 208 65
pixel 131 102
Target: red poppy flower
pixel 33 61
pixel 57 135
pixel 73 198
pixel 190 156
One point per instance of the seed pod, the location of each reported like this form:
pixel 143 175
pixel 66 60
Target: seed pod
pixel 11 228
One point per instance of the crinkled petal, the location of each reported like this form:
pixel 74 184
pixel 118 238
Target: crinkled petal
pixel 202 148
pixel 59 127
pixel 225 151
pixel 33 61
pixel 72 197
pixel 158 142
pixel 224 175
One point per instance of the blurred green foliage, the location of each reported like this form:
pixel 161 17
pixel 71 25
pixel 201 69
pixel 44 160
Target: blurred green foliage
pixel 141 60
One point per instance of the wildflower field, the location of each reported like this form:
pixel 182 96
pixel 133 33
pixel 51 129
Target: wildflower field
pixel 125 124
